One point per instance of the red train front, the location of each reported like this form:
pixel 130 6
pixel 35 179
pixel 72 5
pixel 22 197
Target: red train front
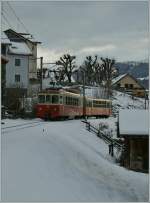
pixel 54 104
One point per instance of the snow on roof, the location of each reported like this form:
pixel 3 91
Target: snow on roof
pixel 144 78
pixel 133 122
pixel 117 78
pixel 19 48
pixel 4 39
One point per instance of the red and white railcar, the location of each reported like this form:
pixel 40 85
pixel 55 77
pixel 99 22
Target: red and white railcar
pixel 57 104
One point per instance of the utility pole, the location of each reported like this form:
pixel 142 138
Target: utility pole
pixel 146 100
pixel 41 70
pixel 84 98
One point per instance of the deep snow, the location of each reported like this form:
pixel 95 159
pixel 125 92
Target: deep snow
pixel 61 161
pixel 119 101
pixel 122 100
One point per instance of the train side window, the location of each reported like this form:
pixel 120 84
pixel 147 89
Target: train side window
pixel 103 104
pixel 90 103
pixel 70 100
pixel 109 104
pixel 73 101
pixel 87 103
pixel 41 98
pixel 78 102
pixel 94 103
pixel 55 99
pixel 66 100
pixel 61 99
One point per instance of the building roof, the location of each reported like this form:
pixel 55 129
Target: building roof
pixel 115 80
pixel 21 36
pixel 133 122
pixel 4 39
pixel 19 48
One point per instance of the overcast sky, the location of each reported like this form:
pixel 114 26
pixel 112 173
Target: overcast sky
pixel 117 29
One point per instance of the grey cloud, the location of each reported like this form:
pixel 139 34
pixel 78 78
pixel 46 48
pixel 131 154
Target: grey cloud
pixel 76 26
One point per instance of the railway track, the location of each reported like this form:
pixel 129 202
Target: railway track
pixel 21 126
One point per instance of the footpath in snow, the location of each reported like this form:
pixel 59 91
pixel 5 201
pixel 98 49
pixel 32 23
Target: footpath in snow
pixel 61 161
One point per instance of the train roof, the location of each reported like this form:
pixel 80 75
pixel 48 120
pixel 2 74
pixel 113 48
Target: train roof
pixel 57 91
pixel 71 93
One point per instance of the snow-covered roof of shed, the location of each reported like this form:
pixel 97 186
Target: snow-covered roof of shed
pixel 118 78
pixel 133 122
pixel 19 48
pixel 4 39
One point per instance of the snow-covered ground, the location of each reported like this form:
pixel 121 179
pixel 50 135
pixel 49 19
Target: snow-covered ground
pixel 119 101
pixel 62 161
pixel 107 125
pixel 122 100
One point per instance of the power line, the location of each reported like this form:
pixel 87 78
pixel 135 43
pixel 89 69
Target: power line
pixel 6 20
pixel 17 17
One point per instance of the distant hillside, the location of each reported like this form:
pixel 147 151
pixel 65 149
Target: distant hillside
pixel 144 82
pixel 138 70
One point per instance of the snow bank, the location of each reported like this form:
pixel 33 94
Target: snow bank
pixel 62 161
pixel 110 125
pixel 124 101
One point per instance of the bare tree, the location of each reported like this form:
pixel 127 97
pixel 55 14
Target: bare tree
pixel 89 68
pixel 98 73
pixel 108 71
pixel 66 65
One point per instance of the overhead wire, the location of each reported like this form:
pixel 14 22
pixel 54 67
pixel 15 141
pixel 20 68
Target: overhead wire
pixel 5 16
pixel 6 20
pixel 19 20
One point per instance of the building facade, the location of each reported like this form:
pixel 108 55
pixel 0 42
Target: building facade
pixel 5 43
pixel 128 84
pixel 21 71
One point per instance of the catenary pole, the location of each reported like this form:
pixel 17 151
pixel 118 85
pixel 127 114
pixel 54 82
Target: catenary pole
pixel 84 99
pixel 41 76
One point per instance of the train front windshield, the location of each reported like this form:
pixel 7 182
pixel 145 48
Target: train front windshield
pixel 41 98
pixel 52 99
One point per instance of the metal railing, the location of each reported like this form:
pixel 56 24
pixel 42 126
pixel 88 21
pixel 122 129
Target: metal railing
pixel 113 143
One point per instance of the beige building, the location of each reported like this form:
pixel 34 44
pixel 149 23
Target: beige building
pixel 129 84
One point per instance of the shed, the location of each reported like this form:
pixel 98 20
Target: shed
pixel 134 128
